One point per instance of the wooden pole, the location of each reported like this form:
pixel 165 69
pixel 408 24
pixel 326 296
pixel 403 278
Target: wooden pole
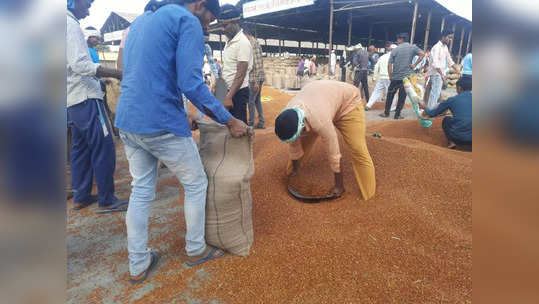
pixel 460 47
pixel 469 41
pixel 221 46
pixel 299 44
pixel 330 29
pixel 427 31
pixel 451 44
pixel 416 5
pixel 349 29
pixel 370 35
pixel 443 25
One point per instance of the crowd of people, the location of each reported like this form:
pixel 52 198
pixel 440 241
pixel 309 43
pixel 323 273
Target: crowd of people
pixel 165 60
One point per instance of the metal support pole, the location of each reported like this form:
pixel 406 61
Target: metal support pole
pixel 416 5
pixel 349 28
pixel 299 44
pixel 451 44
pixel 370 35
pixel 469 41
pixel 443 25
pixel 460 47
pixel 330 29
pixel 427 31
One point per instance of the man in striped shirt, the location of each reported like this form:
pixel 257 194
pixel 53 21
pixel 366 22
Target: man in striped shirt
pixel 256 79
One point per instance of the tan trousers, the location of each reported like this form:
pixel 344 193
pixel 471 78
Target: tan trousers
pixel 353 129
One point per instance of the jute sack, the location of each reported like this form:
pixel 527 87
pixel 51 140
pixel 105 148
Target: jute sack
pixel 229 165
pixel 113 94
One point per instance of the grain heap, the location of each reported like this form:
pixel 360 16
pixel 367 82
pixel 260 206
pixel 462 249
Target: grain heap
pixel 411 243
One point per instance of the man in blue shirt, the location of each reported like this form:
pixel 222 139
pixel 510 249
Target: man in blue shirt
pixel 467 65
pixel 162 60
pixel 93 38
pixel 457 129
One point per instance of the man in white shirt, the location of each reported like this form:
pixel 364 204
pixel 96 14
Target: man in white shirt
pixel 381 77
pixel 439 59
pixel 92 151
pixel 238 61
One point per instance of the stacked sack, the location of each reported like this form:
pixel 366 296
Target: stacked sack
pixel 454 75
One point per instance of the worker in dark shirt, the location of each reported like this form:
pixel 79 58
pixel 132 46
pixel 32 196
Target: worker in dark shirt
pixel 360 61
pixel 457 129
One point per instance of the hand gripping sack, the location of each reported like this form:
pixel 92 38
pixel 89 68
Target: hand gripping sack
pixel 229 165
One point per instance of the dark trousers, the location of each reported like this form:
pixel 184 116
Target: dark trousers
pixel 343 74
pixel 361 76
pixel 446 126
pixel 239 102
pixel 391 91
pixel 92 152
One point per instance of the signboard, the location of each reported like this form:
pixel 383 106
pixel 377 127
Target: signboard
pixel 113 36
pixel 260 7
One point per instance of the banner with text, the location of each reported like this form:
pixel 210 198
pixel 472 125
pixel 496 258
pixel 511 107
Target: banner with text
pixel 260 7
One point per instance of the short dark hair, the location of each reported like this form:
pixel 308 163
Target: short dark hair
pixel 446 33
pixel 465 82
pixel 403 36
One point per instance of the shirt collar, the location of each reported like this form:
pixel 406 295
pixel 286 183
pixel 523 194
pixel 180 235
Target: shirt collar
pixel 70 14
pixel 237 37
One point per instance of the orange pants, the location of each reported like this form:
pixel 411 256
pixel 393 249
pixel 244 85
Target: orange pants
pixel 353 129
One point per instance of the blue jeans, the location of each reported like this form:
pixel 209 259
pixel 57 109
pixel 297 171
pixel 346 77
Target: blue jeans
pixel 254 101
pixel 435 91
pixel 181 156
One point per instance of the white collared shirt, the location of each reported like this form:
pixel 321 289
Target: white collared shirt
pixel 439 58
pixel 81 81
pixel 237 49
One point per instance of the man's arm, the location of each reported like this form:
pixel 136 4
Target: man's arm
pixel 108 72
pixel 441 108
pixel 241 71
pixel 191 49
pixel 420 55
pixel 390 69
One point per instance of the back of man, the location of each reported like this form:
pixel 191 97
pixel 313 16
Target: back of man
pixel 467 65
pixel 150 101
pixel 461 108
pixel 361 63
pixel 401 58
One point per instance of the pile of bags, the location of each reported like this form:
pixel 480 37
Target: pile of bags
pixel 454 75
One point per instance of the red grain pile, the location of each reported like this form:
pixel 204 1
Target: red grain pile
pixel 412 243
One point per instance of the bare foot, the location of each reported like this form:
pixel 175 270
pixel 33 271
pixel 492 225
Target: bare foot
pixel 451 145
